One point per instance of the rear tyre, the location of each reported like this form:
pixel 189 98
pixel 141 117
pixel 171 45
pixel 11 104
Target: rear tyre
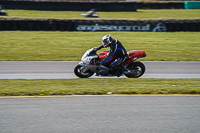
pixel 78 71
pixel 135 69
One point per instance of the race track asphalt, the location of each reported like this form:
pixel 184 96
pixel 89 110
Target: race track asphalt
pixel 100 114
pixel 64 69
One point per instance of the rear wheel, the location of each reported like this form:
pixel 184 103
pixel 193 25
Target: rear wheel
pixel 78 70
pixel 135 70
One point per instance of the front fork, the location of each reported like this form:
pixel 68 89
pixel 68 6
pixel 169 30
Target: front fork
pixel 85 68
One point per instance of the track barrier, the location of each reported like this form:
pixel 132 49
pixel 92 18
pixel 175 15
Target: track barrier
pixel 68 6
pixel 99 25
pixel 85 6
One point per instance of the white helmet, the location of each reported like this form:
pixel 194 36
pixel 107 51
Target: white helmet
pixel 107 39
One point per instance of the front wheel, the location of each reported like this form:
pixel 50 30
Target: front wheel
pixel 78 70
pixel 135 70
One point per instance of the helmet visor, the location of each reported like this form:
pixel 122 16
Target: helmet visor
pixel 105 42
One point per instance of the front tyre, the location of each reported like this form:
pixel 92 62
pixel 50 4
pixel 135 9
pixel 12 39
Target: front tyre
pixel 78 70
pixel 135 70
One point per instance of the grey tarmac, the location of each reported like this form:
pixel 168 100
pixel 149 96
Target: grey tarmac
pixel 100 114
pixel 64 70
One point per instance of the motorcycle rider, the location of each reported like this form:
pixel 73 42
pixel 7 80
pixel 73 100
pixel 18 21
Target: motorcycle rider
pixel 117 50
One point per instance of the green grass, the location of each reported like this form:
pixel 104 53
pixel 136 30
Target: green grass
pixel 94 86
pixel 48 45
pixel 140 14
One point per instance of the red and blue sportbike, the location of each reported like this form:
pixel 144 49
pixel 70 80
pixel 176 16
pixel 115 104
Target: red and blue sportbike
pixel 89 64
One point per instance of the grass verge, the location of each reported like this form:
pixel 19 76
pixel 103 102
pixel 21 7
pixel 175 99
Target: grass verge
pixel 57 45
pixel 44 87
pixel 140 14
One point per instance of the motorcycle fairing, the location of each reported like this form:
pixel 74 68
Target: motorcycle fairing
pixel 103 55
pixel 132 56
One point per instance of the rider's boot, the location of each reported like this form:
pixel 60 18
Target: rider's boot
pixel 119 71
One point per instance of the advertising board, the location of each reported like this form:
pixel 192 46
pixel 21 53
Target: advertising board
pixel 156 27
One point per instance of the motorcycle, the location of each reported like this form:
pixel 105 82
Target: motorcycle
pixel 89 64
